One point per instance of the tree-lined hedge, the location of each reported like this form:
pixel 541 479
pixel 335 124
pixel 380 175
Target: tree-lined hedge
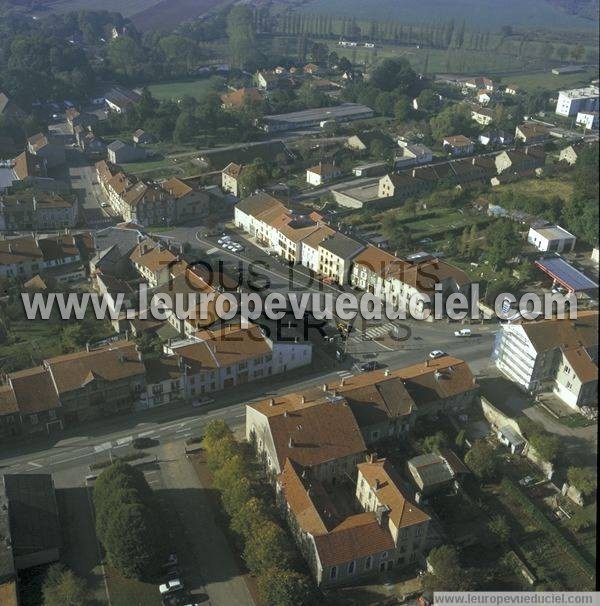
pixel 127 521
pixel 267 549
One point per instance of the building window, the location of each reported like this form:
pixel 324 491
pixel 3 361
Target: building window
pixel 351 567
pixel 333 572
pixel 33 419
pixel 368 563
pixel 419 531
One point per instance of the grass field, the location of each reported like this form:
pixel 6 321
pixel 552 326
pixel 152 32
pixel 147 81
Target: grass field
pixel 484 14
pixel 538 188
pixel 548 81
pixel 181 88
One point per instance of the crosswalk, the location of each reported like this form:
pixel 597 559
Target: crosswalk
pixel 344 374
pixel 372 333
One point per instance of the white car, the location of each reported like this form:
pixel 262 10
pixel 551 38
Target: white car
pixel 463 332
pixel 171 586
pixel 436 353
pixel 224 240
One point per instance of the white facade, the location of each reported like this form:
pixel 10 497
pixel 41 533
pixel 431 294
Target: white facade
pixel 551 238
pixel 516 357
pixel 571 102
pixel 588 120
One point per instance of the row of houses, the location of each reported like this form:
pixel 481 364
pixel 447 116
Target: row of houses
pixel 316 440
pixel 483 169
pixel 301 237
pixel 148 202
pixel 116 378
pixel 24 209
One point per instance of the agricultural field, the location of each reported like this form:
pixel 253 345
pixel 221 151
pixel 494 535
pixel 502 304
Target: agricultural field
pixel 548 81
pixel 127 9
pixel 482 14
pixel 181 88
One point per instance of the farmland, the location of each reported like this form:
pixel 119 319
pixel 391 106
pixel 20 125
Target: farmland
pixel 482 14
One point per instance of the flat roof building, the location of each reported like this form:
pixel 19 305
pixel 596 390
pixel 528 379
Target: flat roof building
pixel 313 117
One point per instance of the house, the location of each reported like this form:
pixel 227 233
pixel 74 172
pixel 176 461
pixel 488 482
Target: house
pixel 571 153
pixel 433 472
pixel 512 89
pixel 519 160
pixel 28 209
pixel 561 355
pixel 482 115
pixel 371 169
pixel 309 255
pixel 31 170
pixel 29 522
pixel 141 137
pixel 335 257
pixel 551 238
pixel 364 140
pixel 480 83
pixel 322 173
pixel 398 281
pixel 237 99
pixel 311 68
pixel 26 256
pixel 113 246
pixel 458 145
pixel 495 137
pixel 120 99
pixel 571 102
pixel 189 203
pixel 9 108
pixel 120 153
pixel 413 153
pixel 249 214
pixel 89 143
pixel 83 119
pixel 483 96
pixel 231 356
pixel 587 119
pixel 230 176
pixel 153 261
pixel 266 80
pixel 51 153
pixel 511 438
pixel 531 132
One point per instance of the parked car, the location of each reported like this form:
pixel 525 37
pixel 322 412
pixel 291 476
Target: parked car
pixel 368 366
pixel 139 443
pixel 171 586
pixel 224 240
pixel 172 560
pixel 437 353
pixel 463 332
pixel 526 481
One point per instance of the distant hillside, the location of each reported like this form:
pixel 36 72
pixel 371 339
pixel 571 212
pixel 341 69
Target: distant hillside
pixel 484 14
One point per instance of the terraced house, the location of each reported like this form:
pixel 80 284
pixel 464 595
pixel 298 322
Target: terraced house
pixel 34 209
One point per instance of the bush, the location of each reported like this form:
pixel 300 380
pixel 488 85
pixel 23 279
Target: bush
pixel 268 548
pixel 62 588
pixel 481 460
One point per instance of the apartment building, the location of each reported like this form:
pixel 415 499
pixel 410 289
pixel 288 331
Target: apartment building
pixel 571 102
pixel 34 209
pixel 552 355
pixel 396 281
pixel 336 253
pixel 230 177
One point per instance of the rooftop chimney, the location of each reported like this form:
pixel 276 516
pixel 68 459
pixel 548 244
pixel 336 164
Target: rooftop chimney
pixel 324 387
pixel 291 442
pixel 302 399
pixel 342 381
pixel 386 372
pixel 272 402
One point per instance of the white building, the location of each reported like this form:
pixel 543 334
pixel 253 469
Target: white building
pixel 552 238
pixel 571 102
pixel 552 355
pixel 587 119
pixel 322 173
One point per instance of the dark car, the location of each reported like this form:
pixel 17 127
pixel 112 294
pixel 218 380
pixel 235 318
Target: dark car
pixel 140 443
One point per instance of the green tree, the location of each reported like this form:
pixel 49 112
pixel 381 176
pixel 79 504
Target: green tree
pixel 240 31
pixel 562 52
pixel 546 445
pixel 220 451
pixel 502 242
pixel 578 51
pixel 215 431
pixel 253 176
pixel 453 120
pixel 434 442
pixel 583 478
pixel 62 587
pixel 185 127
pixel 482 461
pixel 499 527
pixel 395 74
pixel 279 587
pixel 236 494
pixel 248 518
pixel 427 100
pixel 447 575
pixel 268 548
pixel 402 109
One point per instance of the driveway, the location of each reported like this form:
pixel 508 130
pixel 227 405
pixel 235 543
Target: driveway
pixel 213 567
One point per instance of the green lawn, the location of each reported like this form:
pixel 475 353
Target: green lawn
pixel 548 81
pixel 539 188
pixel 180 88
pixel 129 592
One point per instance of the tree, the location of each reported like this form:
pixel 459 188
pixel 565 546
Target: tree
pixel 236 494
pixel 545 444
pixel 427 100
pixel 434 442
pixel 184 128
pixel 481 460
pixel 578 51
pixel 503 243
pixel 402 109
pixel 221 450
pixel 248 518
pixel 499 527
pixel 278 587
pixel 240 31
pixel 562 52
pixel 268 548
pixel 63 588
pixel 447 575
pixel 253 176
pixel 319 53
pixel 215 431
pixel 583 478
pixel 453 120
pixel 395 74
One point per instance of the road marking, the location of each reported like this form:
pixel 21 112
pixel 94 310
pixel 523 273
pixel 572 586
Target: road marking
pixel 102 447
pixel 146 433
pixel 181 430
pixel 124 441
pixel 167 427
pixel 35 464
pixel 212 251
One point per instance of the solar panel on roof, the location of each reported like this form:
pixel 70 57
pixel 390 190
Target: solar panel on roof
pixel 566 274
